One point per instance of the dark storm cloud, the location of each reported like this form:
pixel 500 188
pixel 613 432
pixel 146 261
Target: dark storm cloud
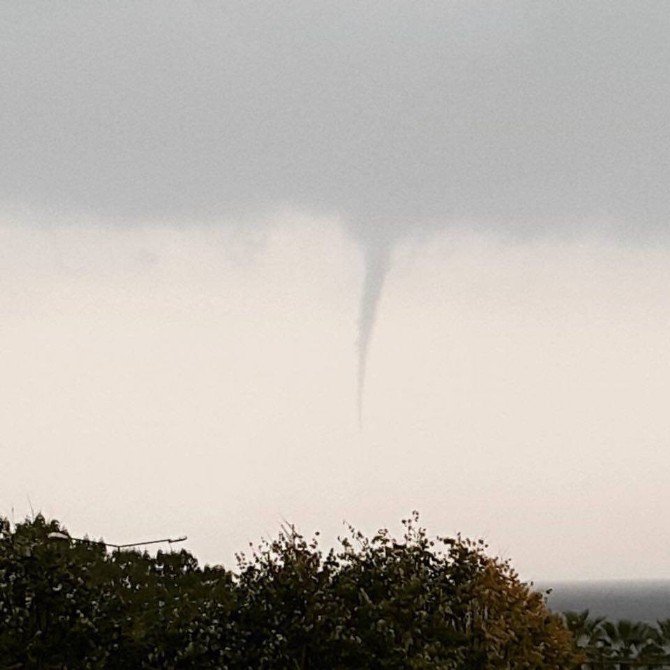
pixel 394 115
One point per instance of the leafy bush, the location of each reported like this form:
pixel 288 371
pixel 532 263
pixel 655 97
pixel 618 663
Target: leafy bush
pixel 379 602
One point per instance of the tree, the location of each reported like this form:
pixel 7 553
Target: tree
pixel 381 602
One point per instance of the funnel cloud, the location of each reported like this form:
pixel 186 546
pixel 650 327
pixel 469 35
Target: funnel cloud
pixel 397 118
pixel 376 266
pixel 221 221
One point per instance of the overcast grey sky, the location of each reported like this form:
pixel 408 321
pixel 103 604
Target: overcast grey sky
pixel 389 114
pixel 194 196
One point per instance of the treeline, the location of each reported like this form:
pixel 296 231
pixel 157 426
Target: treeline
pixel 622 644
pixel 379 602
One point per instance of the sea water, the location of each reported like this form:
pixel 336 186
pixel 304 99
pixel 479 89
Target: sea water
pixel 647 601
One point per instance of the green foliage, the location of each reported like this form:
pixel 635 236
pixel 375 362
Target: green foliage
pixel 379 602
pixel 621 644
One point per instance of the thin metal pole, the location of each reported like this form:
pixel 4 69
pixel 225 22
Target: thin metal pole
pixel 141 544
pixel 123 546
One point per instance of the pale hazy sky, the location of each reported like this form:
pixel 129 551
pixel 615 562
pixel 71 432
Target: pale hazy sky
pixel 186 190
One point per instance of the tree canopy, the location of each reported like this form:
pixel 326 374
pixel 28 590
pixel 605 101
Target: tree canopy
pixel 372 602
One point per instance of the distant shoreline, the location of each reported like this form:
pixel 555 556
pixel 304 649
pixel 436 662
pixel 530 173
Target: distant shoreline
pixel 638 599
